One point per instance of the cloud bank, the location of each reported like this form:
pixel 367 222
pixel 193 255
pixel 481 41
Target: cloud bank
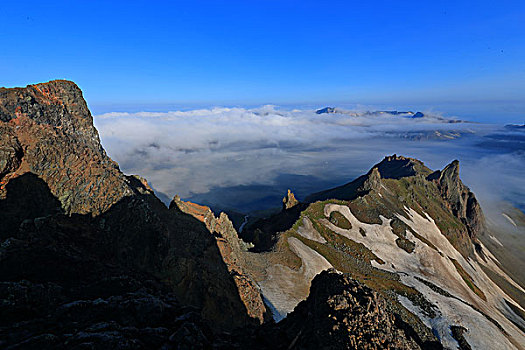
pixel 246 158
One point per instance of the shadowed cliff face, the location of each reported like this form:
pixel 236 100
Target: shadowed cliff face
pixel 70 217
pixel 232 250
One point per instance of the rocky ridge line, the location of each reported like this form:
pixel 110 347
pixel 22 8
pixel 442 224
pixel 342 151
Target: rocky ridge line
pixel 231 248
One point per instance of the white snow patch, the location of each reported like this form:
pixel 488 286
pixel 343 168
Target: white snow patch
pixel 307 230
pixel 427 263
pixel 510 219
pixel 285 287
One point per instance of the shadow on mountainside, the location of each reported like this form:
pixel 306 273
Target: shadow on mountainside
pixel 136 274
pixel 263 233
pixel 28 197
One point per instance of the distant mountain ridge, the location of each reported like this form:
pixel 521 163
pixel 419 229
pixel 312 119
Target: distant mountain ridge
pixel 403 114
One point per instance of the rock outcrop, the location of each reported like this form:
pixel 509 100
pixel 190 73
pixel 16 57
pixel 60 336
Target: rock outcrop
pixel 289 201
pixel 372 182
pixel 47 129
pixel 396 167
pixel 231 248
pixel 69 217
pixel 460 200
pixel 341 313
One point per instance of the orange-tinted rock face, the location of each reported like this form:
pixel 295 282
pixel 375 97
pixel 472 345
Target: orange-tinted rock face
pixel 50 130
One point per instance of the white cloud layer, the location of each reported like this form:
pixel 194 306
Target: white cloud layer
pixel 231 156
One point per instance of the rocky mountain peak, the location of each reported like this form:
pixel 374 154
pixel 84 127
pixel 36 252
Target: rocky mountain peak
pixel 373 181
pixel 49 130
pixel 326 110
pixel 289 201
pixel 450 172
pixel 67 204
pixel 58 103
pixel 396 167
pixel 459 199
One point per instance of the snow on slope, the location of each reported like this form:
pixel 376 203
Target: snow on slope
pixel 284 287
pixel 436 266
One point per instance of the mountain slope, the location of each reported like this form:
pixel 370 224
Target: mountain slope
pixel 91 258
pixel 410 234
pixel 75 229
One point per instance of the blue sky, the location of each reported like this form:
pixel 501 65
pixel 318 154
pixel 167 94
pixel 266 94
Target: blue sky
pixel 460 57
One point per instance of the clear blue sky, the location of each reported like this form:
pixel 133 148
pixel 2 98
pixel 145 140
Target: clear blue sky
pixel 440 54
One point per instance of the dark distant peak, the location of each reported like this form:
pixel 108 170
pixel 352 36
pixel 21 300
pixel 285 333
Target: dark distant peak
pixel 326 110
pixel 418 115
pixel 396 167
pixel 396 112
pixel 517 127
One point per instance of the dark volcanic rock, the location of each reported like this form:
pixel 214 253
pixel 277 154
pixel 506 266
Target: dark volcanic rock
pixel 339 313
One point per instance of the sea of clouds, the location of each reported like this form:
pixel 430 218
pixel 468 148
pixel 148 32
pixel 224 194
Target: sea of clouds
pixel 245 159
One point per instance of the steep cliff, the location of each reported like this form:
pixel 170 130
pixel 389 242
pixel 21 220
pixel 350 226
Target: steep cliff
pixel 70 216
pixel 231 248
pixel 461 201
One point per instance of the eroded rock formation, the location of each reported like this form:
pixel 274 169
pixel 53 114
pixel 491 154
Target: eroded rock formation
pixel 231 248
pixel 289 201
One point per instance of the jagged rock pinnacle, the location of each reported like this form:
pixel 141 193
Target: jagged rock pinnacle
pixel 289 201
pixel 461 201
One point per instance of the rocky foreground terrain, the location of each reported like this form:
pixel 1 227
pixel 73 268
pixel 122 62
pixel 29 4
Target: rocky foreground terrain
pixel 90 258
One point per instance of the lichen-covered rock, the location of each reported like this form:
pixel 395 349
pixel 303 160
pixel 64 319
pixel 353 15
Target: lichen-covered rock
pixel 47 130
pixel 11 153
